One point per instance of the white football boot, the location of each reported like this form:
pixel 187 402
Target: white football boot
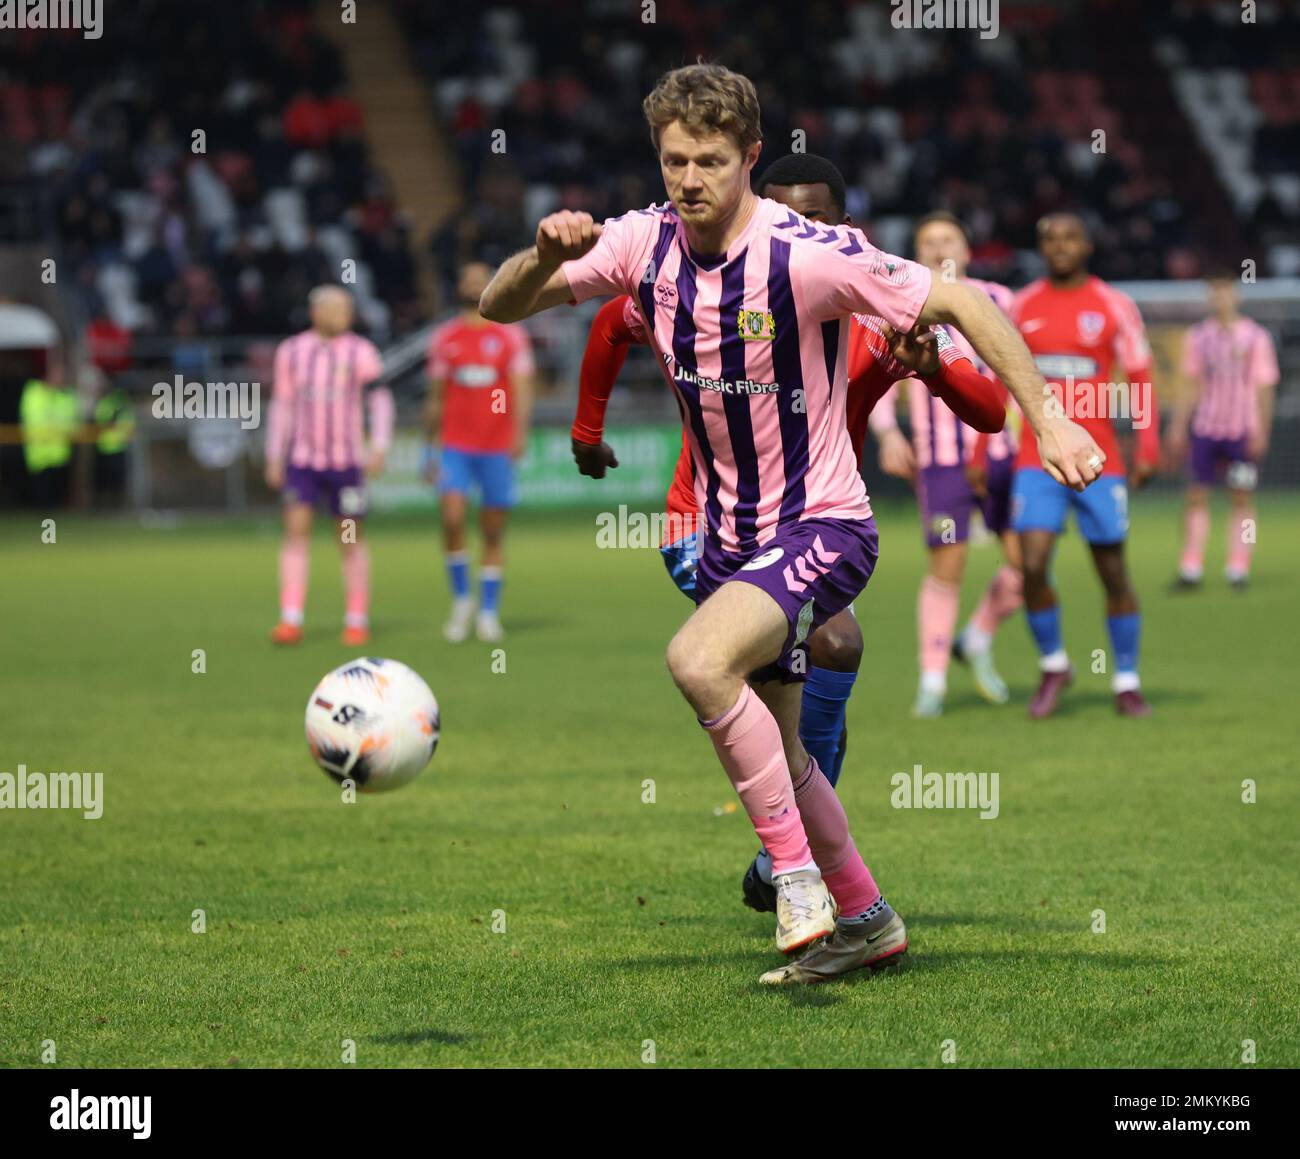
pixel 854 947
pixel 456 629
pixel 804 909
pixel 488 628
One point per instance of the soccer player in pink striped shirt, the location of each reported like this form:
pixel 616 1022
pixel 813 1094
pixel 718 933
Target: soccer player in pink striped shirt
pixel 939 460
pixel 1230 367
pixel 747 307
pixel 315 453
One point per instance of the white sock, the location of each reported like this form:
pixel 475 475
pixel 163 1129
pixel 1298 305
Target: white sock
pixel 1058 661
pixel 1125 682
pixel 291 616
pixel 936 682
pixel 975 641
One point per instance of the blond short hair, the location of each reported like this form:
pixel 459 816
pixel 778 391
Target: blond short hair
pixel 705 98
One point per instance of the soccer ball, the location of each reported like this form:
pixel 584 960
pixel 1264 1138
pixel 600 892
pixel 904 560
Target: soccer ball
pixel 374 722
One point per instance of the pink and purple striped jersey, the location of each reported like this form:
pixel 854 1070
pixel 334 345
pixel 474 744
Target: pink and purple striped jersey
pixel 316 418
pixel 939 437
pixel 754 344
pixel 1233 365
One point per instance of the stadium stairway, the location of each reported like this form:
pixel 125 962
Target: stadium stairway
pixel 401 131
pixel 1135 80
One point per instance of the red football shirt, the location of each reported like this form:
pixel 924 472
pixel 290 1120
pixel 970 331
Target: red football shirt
pixel 477 364
pixel 1077 337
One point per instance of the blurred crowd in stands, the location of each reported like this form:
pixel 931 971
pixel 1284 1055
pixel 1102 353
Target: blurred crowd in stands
pixel 996 130
pixel 207 179
pixel 202 183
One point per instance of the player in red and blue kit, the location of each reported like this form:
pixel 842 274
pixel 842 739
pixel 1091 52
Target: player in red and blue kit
pixel 747 307
pixel 478 407
pixel 813 187
pixel 1077 327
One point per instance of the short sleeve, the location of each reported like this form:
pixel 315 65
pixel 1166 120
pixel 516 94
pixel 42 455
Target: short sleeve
pixel 521 353
pixel 1264 369
pixel 606 269
pixel 1131 346
pixel 1001 295
pixel 853 277
pixel 1193 364
pixel 438 366
pixel 281 379
pixel 1016 306
pixel 370 364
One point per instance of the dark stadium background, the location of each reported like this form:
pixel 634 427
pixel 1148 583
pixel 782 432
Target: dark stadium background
pixel 426 134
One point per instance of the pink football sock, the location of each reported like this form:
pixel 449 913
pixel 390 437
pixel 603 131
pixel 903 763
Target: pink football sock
pixel 356 584
pixel 1196 530
pixel 1002 598
pixel 295 560
pixel 748 743
pixel 1239 545
pixel 936 620
pixel 843 870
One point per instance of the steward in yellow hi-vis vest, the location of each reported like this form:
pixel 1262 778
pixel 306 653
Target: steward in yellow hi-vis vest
pixel 114 419
pixel 49 419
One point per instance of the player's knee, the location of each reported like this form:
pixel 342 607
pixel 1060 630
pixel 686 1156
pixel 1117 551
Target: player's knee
pixel 1034 572
pixel 836 647
pixel 1118 585
pixel 693 669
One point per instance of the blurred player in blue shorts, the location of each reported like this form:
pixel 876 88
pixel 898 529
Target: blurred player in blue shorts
pixel 480 400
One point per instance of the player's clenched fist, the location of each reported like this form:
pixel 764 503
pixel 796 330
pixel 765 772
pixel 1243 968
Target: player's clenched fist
pixel 564 236
pixel 593 458
pixel 1069 453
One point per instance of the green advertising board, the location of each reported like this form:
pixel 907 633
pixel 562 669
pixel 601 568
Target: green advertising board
pixel 547 476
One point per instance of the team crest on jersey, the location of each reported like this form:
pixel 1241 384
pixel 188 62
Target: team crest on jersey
pixel 665 292
pixel 891 270
pixel 756 325
pixel 1091 324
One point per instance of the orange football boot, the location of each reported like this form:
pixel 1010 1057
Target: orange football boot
pixel 287 634
pixel 356 637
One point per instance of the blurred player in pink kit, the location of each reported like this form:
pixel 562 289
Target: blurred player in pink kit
pixel 316 453
pixel 938 459
pixel 1230 364
pixel 747 307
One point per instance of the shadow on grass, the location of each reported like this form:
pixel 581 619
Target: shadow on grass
pixel 414 1037
pixel 937 960
pixel 1011 923
pixel 697 961
pixel 1082 696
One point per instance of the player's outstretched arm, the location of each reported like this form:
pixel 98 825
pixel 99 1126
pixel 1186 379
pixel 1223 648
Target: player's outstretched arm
pixel 1068 452
pixel 532 280
pixel 607 346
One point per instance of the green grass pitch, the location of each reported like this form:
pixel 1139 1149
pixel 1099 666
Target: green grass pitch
pixel 520 904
